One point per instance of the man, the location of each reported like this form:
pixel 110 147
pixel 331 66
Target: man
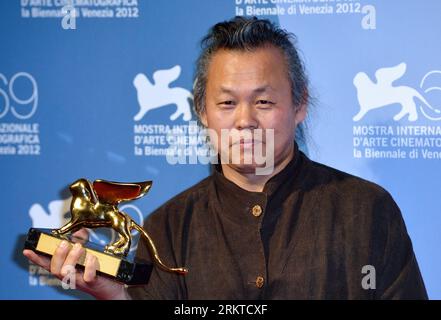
pixel 302 231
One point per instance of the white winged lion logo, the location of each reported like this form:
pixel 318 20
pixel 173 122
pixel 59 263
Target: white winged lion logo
pixel 159 94
pixel 373 95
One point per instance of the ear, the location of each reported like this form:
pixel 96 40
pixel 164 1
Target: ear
pixel 300 114
pixel 203 118
pixel 302 108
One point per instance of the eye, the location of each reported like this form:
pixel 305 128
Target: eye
pixel 264 103
pixel 227 104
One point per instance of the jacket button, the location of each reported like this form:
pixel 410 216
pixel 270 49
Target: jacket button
pixel 257 210
pixel 260 281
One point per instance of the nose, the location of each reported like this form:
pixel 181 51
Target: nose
pixel 245 117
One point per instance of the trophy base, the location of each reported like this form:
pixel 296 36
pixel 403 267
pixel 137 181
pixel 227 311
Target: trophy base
pixel 42 241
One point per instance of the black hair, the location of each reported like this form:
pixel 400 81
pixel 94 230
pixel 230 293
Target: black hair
pixel 241 33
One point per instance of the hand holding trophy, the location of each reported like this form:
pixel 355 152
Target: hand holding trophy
pixel 94 206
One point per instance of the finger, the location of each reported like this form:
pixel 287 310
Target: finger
pixel 37 259
pixel 90 268
pixel 82 233
pixel 59 256
pixel 72 259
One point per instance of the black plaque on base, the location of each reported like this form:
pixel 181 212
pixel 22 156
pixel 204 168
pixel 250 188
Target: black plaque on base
pixel 117 268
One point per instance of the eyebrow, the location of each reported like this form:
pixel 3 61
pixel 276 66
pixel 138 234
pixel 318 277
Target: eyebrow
pixel 256 90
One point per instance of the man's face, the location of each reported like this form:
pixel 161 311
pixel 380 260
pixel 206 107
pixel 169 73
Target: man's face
pixel 248 91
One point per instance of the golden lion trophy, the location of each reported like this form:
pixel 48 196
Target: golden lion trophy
pixel 95 205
